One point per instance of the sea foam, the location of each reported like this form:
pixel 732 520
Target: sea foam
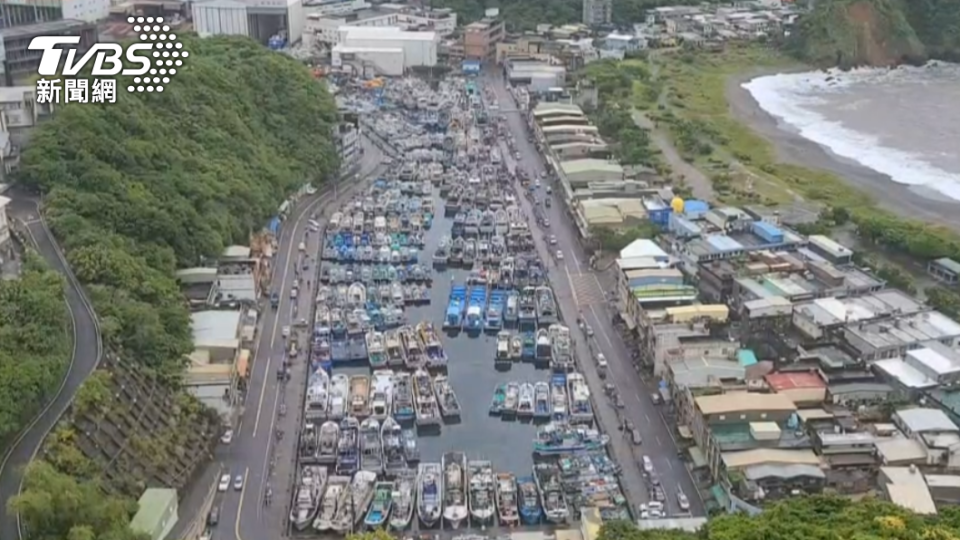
pixel 788 97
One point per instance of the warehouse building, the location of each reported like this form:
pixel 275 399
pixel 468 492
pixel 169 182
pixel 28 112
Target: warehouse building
pixel 390 50
pixel 262 20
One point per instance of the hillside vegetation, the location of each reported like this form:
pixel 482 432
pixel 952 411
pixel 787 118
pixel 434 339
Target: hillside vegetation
pixel 850 33
pixel 133 191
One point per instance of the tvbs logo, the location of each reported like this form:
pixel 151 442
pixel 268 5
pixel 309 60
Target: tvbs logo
pixel 151 63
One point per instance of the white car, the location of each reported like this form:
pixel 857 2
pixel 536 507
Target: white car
pixel 683 502
pixel 559 255
pixel 285 331
pixel 238 482
pixel 553 239
pixel 647 464
pixel 227 437
pixel 224 483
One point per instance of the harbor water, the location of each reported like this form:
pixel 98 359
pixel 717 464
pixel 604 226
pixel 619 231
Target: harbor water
pixel 508 444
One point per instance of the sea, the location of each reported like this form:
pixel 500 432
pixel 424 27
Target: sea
pixel 508 444
pixel 903 123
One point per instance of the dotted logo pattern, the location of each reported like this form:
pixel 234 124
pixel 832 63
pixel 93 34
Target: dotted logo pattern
pixel 168 54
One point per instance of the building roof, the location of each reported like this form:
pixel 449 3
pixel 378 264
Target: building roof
pixel 214 326
pixel 643 247
pixel 769 456
pixel 794 381
pixel 570 128
pixel 698 372
pixel 949 264
pixel 907 488
pixel 385 33
pixel 922 420
pixel 756 472
pixel 153 506
pixel 236 252
pixel 744 401
pixel 900 450
pixel 565 109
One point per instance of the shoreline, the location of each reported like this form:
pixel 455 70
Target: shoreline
pixel 791 148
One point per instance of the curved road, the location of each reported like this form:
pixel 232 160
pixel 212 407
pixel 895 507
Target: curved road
pixel 578 289
pixel 86 355
pixel 243 513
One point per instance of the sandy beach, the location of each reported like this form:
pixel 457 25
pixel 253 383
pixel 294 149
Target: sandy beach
pixel 910 202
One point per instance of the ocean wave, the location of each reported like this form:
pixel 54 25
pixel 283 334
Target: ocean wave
pixel 788 96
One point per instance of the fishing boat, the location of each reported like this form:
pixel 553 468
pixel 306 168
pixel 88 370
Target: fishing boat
pixel 356 295
pixel 446 398
pixel 376 349
pixel 411 450
pixel 394 349
pixel 544 351
pixel 454 496
pixel 512 310
pixel 433 348
pixel 477 301
pixel 527 313
pixel 318 395
pixel 453 320
pixel 542 405
pixel 327 446
pixel 562 438
pixel 526 401
pixel 456 251
pixel 381 394
pixel 469 253
pixel 516 348
pixel 404 499
pixel 412 348
pixel 442 253
pixel 482 492
pixel 352 511
pixel 430 493
pixel 499 397
pixel 493 317
pixel 381 505
pixel 348 450
pixel 511 400
pixel 550 487
pixel 507 499
pixel 530 510
pixel 371 453
pixel 309 491
pixel 392 443
pixel 333 496
pixel 403 408
pixel 309 443
pixel 546 306
pixel 503 348
pixel 581 409
pixel 529 351
pixel 339 396
pixel 561 349
pixel 425 402
pixel 360 396
pixel 558 397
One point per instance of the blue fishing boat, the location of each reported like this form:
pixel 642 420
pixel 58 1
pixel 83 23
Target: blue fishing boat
pixel 529 351
pixel 553 439
pixel 455 306
pixel 381 505
pixel 530 511
pixel 473 321
pixel 493 318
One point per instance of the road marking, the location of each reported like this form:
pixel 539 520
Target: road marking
pixel 600 326
pixel 659 443
pixel 243 491
pixel 573 289
pixel 670 466
pixel 645 415
pixel 266 453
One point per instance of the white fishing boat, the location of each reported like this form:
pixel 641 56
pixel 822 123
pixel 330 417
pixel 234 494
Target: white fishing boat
pixel 436 357
pixel 318 395
pixel 395 354
pixel 415 359
pixel 447 399
pixel 404 500
pixel 454 487
pixel 507 502
pixel 526 400
pixel 558 396
pixel 357 295
pixel 371 452
pixel 327 447
pixel 376 349
pixel 360 396
pixel 391 439
pixel 309 490
pixel 425 402
pixel 503 347
pixel 511 400
pixel 430 493
pixel 381 394
pixel 482 487
pixel 403 401
pixel 335 494
pixel 339 396
pixel 542 405
pixel 581 409
pixel 550 486
pixel 351 512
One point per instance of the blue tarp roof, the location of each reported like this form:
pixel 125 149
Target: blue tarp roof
pixel 768 228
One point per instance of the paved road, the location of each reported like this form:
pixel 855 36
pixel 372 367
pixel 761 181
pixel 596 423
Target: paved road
pixel 243 513
pixel 579 290
pixel 86 354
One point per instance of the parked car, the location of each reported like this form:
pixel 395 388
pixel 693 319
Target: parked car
pixel 635 435
pixel 227 437
pixel 214 516
pixel 647 464
pixel 224 483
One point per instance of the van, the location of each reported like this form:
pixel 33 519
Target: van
pixel 293 293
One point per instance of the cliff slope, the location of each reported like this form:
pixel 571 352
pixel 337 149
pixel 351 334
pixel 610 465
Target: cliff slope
pixel 850 33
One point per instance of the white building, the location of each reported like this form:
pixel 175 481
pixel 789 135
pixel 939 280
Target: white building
pixel 383 60
pixel 324 27
pixel 261 20
pixel 419 48
pixel 220 18
pixel 24 12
